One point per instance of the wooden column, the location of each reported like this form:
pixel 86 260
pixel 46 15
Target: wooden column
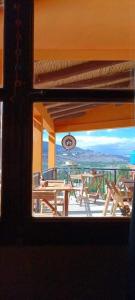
pixel 37 146
pixel 37 137
pixel 51 151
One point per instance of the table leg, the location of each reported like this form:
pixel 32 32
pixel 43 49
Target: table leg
pixel 108 198
pixel 38 206
pixel 66 204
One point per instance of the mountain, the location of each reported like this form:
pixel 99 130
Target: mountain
pixel 45 148
pixel 115 149
pixel 60 149
pixel 92 155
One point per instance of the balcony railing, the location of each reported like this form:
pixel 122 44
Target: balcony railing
pixel 112 174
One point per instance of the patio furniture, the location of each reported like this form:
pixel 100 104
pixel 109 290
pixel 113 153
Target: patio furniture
pixel 93 180
pixel 129 184
pixel 65 188
pixel 87 181
pixel 126 186
pixel 77 180
pixel 117 198
pixel 48 198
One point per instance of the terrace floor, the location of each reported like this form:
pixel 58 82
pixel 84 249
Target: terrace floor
pixel 89 208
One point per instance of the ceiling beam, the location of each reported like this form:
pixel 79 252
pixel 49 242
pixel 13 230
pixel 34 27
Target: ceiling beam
pixel 51 66
pixel 57 70
pixel 110 70
pixel 70 112
pixel 71 115
pixel 123 85
pixel 55 104
pixel 108 79
pixel 98 116
pixel 95 125
pixel 47 121
pixel 71 107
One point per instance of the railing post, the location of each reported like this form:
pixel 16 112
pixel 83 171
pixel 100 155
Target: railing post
pixel 103 182
pixel 55 173
pixel 115 177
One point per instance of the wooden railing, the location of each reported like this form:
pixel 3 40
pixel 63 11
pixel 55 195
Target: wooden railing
pixel 64 173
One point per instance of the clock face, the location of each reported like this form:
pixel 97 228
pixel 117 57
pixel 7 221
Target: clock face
pixel 68 142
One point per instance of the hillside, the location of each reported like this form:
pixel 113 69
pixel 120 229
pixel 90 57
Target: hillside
pixel 80 156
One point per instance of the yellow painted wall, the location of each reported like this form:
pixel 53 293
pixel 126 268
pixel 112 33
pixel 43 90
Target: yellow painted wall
pixel 42 121
pixel 37 147
pixel 51 151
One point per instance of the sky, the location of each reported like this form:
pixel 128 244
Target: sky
pixel 119 141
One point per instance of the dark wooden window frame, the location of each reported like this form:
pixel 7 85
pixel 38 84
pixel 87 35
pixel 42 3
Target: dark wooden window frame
pixel 17 225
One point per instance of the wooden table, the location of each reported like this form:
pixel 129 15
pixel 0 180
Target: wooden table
pixel 66 188
pixel 95 179
pixel 86 175
pixel 129 184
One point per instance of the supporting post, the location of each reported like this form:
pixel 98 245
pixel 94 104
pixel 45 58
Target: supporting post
pixel 51 151
pixel 37 146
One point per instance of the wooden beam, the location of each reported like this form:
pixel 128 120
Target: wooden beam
pixel 100 82
pixel 51 103
pixel 58 71
pixel 96 126
pixel 72 108
pixel 68 114
pixel 69 106
pixel 79 114
pixel 37 109
pixel 40 110
pixel 56 104
pixel 50 66
pixel 86 75
pixel 38 120
pixel 98 115
pixel 121 85
pixel 47 121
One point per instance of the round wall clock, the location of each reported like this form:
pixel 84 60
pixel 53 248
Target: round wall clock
pixel 68 142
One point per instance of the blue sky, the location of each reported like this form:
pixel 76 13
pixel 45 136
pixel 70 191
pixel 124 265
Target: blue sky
pixel 120 140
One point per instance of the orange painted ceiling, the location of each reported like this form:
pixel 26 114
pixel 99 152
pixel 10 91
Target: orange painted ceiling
pixel 96 29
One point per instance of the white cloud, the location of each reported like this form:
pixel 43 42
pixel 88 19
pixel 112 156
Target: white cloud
pixel 45 138
pixel 85 142
pixel 110 130
pixel 89 132
pixel 89 140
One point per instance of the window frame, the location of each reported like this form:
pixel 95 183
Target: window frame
pixel 17 226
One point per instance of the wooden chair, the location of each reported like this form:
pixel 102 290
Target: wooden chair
pixel 78 180
pixel 120 200
pixel 49 199
pixel 125 188
pixel 95 195
pixel 109 196
pixel 117 199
